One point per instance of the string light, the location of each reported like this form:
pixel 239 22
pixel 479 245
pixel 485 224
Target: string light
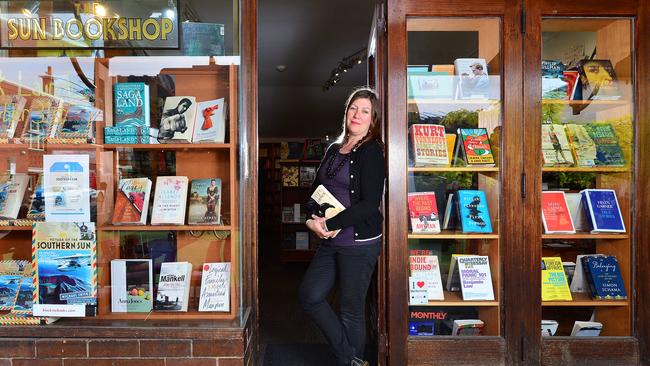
pixel 344 65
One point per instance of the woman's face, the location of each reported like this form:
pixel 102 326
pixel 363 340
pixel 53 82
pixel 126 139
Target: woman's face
pixel 359 117
pixel 183 107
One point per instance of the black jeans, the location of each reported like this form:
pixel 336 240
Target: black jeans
pixel 353 267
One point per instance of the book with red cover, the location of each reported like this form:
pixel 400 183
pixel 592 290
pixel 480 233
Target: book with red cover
pixel 132 202
pixel 555 213
pixel 423 211
pixel 473 146
pixel 428 144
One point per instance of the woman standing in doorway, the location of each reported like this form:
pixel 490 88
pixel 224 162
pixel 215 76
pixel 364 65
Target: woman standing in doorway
pixel 353 170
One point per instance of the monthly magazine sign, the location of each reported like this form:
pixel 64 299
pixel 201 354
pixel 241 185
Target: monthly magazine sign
pixel 147 24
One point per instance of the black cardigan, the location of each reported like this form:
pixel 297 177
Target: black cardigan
pixel 367 175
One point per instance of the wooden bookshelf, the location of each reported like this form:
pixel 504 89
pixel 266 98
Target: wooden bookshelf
pixel 618 102
pixel 165 228
pixel 159 147
pixel 453 101
pixel 442 169
pixel 595 169
pixel 455 298
pixel 584 235
pixel 15 228
pixel 584 299
pixel 447 234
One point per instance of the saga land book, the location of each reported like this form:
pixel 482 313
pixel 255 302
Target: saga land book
pixel 472 76
pixel 205 202
pixel 554 283
pixel 602 211
pixel 64 259
pixel 427 268
pixel 604 278
pixel 475 277
pixel 598 80
pixel 473 147
pixel 11 111
pixel 423 212
pixel 36 210
pixel 555 213
pixel 132 113
pixel 473 211
pixel 582 146
pixel 12 190
pixel 210 122
pixel 44 114
pixel 131 285
pixel 553 84
pixel 556 150
pixel 428 144
pixel 169 201
pixel 132 202
pixel 608 151
pixel 328 205
pixel 11 273
pixel 173 286
pixel 177 120
pixel 77 124
pixel 215 287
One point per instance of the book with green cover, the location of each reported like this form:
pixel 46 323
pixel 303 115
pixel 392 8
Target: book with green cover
pixel 582 146
pixel 608 151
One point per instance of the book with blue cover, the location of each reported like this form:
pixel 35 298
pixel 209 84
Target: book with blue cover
pixel 131 105
pixel 553 84
pixel 474 215
pixel 604 277
pixel 602 211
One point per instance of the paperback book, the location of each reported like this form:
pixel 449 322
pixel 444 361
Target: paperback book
pixel 11 273
pixel 418 292
pixel 574 202
pixel 37 204
pixel 467 327
pixel 553 84
pixel 12 191
pixel 131 285
pixel 11 111
pixel 428 145
pixel 586 329
pixel 215 287
pixel 473 80
pixel 554 283
pixel 473 211
pixel 555 146
pixel 132 202
pixel 604 277
pixel 76 123
pixel 598 80
pixel 24 304
pixel 602 211
pixel 64 259
pixel 210 125
pixel 608 151
pixel 177 121
pixel 475 277
pixel 205 202
pixel 473 147
pixel 173 286
pixel 423 212
pixel 582 146
pixel 453 277
pixel 328 205
pixel 427 268
pixel 555 213
pixel 169 201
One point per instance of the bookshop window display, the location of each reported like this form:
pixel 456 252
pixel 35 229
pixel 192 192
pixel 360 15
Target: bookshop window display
pixel 120 194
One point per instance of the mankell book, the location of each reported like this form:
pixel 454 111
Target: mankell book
pixel 423 212
pixel 428 144
pixel 173 286
pixel 329 206
pixel 132 201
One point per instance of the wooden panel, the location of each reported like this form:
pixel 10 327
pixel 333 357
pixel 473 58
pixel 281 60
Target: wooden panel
pixel 589 8
pixel 564 351
pixel 454 8
pixel 457 351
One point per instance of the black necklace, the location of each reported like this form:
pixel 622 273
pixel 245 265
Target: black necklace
pixel 332 173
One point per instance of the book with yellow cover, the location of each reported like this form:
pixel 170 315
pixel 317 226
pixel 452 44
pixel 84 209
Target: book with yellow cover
pixel 555 286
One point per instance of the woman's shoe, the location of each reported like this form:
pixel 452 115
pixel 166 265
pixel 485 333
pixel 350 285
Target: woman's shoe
pixel 359 362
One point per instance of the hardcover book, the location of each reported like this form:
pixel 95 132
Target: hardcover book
pixel 131 285
pixel 598 80
pixel 553 84
pixel 169 201
pixel 475 277
pixel 76 123
pixel 177 121
pixel 555 213
pixel 44 113
pixel 11 111
pixel 602 211
pixel 473 80
pixel 467 327
pixel 290 176
pixel 427 268
pixel 554 283
pixel 428 145
pixel 556 150
pixel 582 146
pixel 579 281
pixel 215 287
pixel 423 212
pixel 173 286
pixel 608 151
pixel 473 147
pixel 205 202
pixel 64 259
pixel 37 204
pixel 131 105
pixel 210 125
pixel 126 140
pixel 12 191
pixel 604 278
pixel 132 202
pixel 473 211
pixel 328 205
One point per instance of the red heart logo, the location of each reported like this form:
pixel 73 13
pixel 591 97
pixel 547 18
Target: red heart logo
pixel 420 284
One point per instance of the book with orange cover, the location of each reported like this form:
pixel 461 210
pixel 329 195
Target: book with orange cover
pixel 132 202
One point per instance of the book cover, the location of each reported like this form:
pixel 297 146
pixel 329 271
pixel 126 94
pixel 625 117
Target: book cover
pixel 418 292
pixel 549 327
pixel 215 287
pixel 475 277
pixel 307 175
pixel 556 150
pixel 169 201
pixel 474 147
pixel 582 146
pixel 453 277
pixel 423 212
pixel 428 145
pixel 76 123
pixel 24 304
pixel 177 121
pixel 131 285
pixel 12 191
pixel 66 180
pixel 574 202
pixel 205 202
pixel 608 151
pixel 427 268
pixel 64 261
pixel 467 327
pixel 554 283
pixel 573 87
pixel 173 286
pixel 11 111
pixel 11 274
pixel 131 105
pixel 586 329
pixel 598 80
pixel 473 211
pixel 606 279
pixel 473 80
pixel 579 281
pixel 328 205
pixel 602 211
pixel 555 213
pixel 37 204
pixel 430 84
pixel 553 84
pixel 290 176
pixel 132 201
pixel 210 122
pixel 44 113
pixel 202 39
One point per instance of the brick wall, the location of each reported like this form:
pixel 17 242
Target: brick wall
pixel 124 352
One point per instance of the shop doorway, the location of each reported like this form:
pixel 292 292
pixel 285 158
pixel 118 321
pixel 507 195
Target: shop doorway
pixel 301 102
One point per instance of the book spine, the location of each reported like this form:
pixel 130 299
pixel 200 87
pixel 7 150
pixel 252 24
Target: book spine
pixel 122 131
pixel 587 210
pixel 122 140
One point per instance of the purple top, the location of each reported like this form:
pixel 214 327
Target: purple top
pixel 339 187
